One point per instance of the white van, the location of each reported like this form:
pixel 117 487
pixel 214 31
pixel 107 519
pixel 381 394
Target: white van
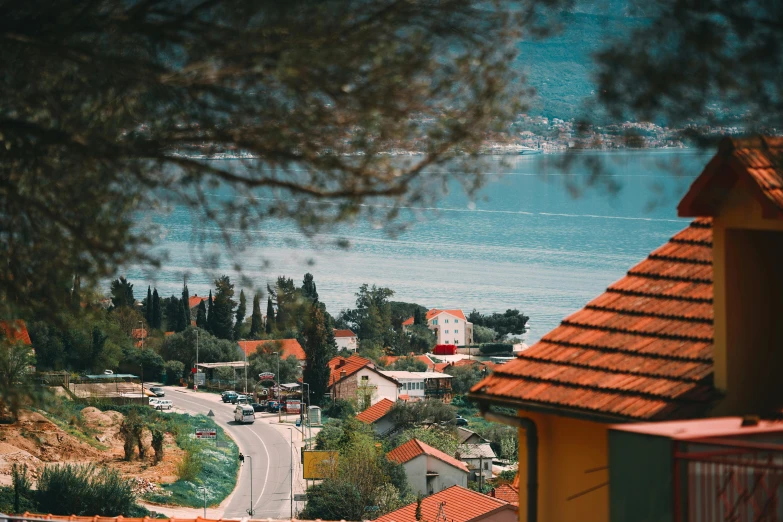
pixel 244 414
pixel 163 404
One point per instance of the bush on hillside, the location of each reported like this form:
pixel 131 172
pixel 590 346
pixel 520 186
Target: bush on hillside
pixel 86 490
pixel 495 348
pixel 340 409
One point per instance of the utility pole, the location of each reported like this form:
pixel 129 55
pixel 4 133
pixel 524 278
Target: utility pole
pixel 279 406
pixel 250 511
pixel 141 364
pixel 291 454
pixel 195 376
pixel 244 352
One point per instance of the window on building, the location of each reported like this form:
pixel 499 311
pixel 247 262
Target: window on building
pixel 447 331
pixel 447 320
pixel 456 331
pixel 365 378
pixel 486 465
pixel 456 321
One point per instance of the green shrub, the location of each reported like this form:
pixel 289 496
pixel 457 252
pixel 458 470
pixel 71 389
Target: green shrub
pixel 86 490
pixel 190 466
pixel 340 409
pixel 495 348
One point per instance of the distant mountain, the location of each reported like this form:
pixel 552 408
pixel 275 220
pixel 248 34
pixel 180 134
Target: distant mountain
pixel 561 67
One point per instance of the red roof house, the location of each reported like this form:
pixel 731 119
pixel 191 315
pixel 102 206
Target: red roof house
pixel 428 469
pixel 456 504
pixel 16 331
pixel 378 416
pixel 346 340
pixel 286 347
pixel 450 326
pixel 356 378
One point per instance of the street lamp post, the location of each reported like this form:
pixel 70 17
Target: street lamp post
pixel 250 511
pixel 291 455
pixel 307 406
pixel 204 489
pixel 277 376
pixel 195 376
pixel 141 363
pixel 244 352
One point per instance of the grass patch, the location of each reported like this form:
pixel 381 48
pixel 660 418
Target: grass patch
pixel 204 464
pixel 67 415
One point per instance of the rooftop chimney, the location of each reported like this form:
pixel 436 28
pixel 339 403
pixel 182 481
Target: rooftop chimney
pixel 342 374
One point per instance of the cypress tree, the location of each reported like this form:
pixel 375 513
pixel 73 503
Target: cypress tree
pixel 270 315
pixel 223 309
pixel 308 287
pixel 148 307
pixel 186 304
pixel 241 312
pixel 256 320
pixel 156 311
pixel 201 315
pixel 317 354
pixel 76 294
pixel 210 313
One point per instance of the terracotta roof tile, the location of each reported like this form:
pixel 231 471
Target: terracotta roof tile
pixel 458 504
pixel 757 160
pixel 349 365
pixel 414 447
pixel 16 331
pixel 344 333
pixel 288 347
pixel 376 411
pixel 507 493
pixel 641 350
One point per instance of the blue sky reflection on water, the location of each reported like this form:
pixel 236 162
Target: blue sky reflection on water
pixel 525 243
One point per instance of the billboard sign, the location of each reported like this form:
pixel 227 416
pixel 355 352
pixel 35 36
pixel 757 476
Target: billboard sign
pixel 317 464
pixel 206 433
pixel 293 406
pixel 266 376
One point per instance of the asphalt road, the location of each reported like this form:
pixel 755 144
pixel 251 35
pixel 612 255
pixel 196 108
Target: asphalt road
pixel 269 452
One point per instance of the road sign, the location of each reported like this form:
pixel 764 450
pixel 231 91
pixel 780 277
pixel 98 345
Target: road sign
pixel 210 414
pixel 206 433
pixel 318 463
pixel 300 497
pixel 292 406
pixel 266 376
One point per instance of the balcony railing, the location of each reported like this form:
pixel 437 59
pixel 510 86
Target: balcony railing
pixel 717 480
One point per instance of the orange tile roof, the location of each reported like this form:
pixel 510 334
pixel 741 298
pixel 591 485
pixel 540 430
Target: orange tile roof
pixel 435 311
pixel 195 300
pixel 139 333
pixel 349 365
pixel 756 162
pixel 388 360
pixel 414 447
pixel 16 331
pixel 287 347
pixel 507 493
pixel 376 411
pixel 642 350
pixel 459 505
pixel 344 333
pixel 74 518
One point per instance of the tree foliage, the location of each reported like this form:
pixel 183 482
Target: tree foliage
pixel 318 353
pixel 240 315
pixel 256 319
pixel 122 293
pixel 182 347
pixel 511 322
pixel 15 361
pixel 464 377
pixel 406 415
pixel 106 99
pixel 157 313
pixel 85 490
pixel 223 309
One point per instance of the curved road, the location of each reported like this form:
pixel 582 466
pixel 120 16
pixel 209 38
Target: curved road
pixel 270 454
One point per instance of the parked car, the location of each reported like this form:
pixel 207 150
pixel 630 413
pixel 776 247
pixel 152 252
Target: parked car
pixel 258 406
pixel 229 396
pixel 158 391
pixel 163 404
pixel 461 421
pixel 153 401
pixel 273 407
pixel 241 399
pixel 244 414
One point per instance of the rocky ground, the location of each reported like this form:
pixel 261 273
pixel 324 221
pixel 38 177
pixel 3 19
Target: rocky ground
pixel 36 441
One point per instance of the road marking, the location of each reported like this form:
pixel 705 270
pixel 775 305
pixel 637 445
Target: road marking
pixel 268 463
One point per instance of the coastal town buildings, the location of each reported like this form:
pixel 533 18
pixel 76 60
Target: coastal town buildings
pixel 378 416
pixel 692 331
pixel 456 504
pixel 346 340
pixel 356 379
pixel 429 470
pixel 285 347
pixel 423 385
pixel 450 326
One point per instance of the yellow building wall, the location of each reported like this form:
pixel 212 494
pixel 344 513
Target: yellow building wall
pixel 572 459
pixel 747 300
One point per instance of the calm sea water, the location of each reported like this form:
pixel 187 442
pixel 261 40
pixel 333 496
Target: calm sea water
pixel 528 243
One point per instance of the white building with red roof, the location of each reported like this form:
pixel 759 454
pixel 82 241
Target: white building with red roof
pixel 456 504
pixel 429 470
pixel 450 326
pixel 346 340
